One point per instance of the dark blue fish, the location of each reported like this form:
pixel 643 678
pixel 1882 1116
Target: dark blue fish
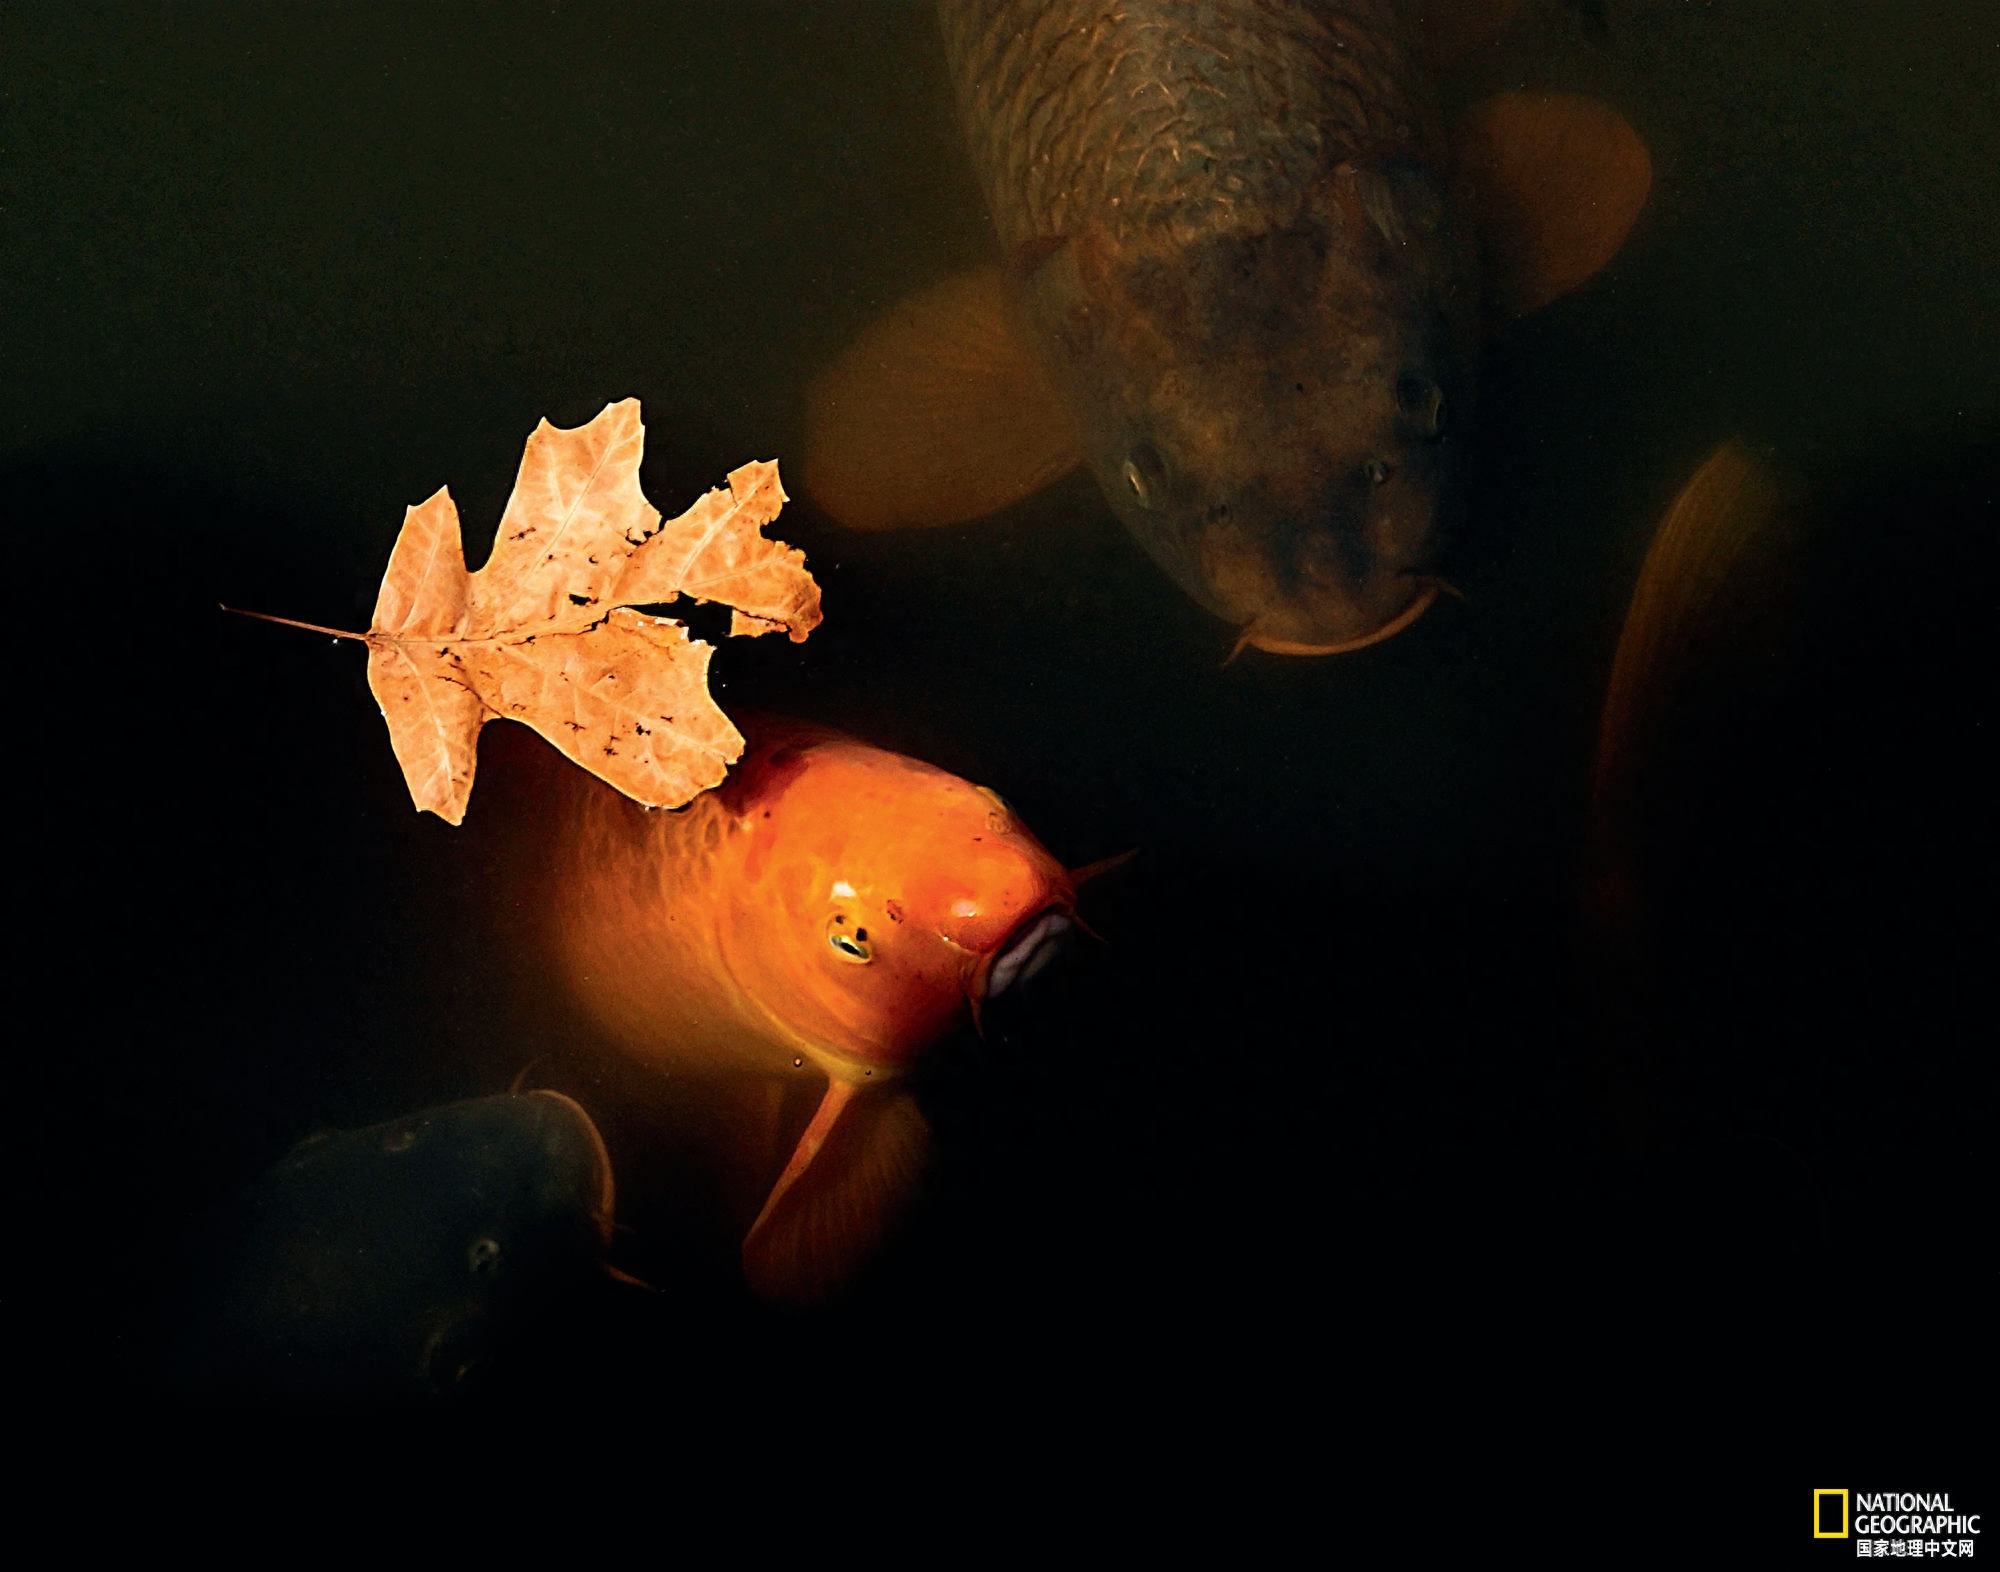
pixel 390 1262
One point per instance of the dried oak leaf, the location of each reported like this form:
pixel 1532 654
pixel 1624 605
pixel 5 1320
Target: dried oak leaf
pixel 544 634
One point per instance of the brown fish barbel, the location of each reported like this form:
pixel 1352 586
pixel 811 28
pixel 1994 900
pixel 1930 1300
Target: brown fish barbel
pixel 1245 269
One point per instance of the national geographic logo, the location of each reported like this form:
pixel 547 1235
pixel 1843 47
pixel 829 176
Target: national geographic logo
pixel 1909 1523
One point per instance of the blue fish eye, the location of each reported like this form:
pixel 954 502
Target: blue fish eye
pixel 1423 401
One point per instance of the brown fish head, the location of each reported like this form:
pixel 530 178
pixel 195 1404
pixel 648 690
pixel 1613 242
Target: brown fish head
pixel 1277 416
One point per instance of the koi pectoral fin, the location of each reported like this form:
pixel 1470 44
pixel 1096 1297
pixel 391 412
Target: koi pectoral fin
pixel 1712 563
pixel 941 411
pixel 839 1197
pixel 1555 184
pixel 1709 611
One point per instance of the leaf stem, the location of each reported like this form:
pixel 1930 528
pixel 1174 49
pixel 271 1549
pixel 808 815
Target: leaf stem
pixel 293 622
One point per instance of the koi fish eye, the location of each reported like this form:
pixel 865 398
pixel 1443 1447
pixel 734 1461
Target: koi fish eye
pixel 1146 473
pixel 850 946
pixel 1002 818
pixel 1377 471
pixel 1423 401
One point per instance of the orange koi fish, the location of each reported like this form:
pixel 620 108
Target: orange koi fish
pixel 831 909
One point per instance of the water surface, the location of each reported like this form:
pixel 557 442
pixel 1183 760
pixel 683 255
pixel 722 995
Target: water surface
pixel 273 273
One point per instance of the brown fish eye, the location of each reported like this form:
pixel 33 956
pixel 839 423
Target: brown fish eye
pixel 1146 475
pixel 1423 401
pixel 1137 482
pixel 484 1255
pixel 1378 473
pixel 849 946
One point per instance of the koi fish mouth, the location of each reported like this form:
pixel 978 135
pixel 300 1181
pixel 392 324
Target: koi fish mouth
pixel 1253 637
pixel 1032 949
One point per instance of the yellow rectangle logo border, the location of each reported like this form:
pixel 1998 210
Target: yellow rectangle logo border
pixel 1821 1495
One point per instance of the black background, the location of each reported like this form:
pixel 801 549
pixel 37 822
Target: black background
pixel 1319 1114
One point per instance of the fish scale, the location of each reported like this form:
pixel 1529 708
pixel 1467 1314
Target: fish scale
pixel 1174 113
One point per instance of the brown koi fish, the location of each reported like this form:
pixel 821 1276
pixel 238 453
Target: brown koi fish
pixel 1245 268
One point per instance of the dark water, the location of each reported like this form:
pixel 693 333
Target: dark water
pixel 1321 1103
